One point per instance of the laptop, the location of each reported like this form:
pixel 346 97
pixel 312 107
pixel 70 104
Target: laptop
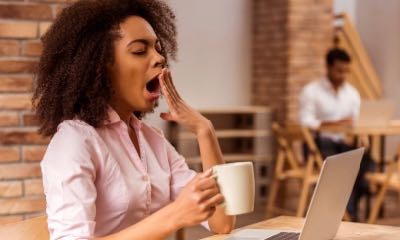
pixel 328 204
pixel 375 113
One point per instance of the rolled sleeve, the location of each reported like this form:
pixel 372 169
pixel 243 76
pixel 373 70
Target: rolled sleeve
pixel 68 179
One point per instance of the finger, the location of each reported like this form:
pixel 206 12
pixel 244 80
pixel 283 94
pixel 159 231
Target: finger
pixel 170 87
pixel 167 116
pixel 207 173
pixel 171 101
pixel 164 89
pixel 214 201
pixel 165 84
pixel 206 183
pixel 207 194
pixel 173 85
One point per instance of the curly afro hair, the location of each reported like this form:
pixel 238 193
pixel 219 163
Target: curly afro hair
pixel 72 79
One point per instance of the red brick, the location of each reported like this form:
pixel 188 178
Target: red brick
pixel 43 27
pixel 10 189
pixel 11 84
pixel 21 136
pixel 15 102
pixel 18 29
pixel 18 66
pixel 9 119
pixel 9 154
pixel 9 48
pixel 289 36
pixel 59 8
pixel 26 11
pixel 32 48
pixel 21 205
pixel 30 119
pixel 20 170
pixel 33 187
pixel 33 153
pixel 10 219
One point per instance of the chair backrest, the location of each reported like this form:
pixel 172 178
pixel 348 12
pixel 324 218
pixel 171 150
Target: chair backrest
pixel 32 229
pixel 287 137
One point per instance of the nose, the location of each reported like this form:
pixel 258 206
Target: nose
pixel 159 60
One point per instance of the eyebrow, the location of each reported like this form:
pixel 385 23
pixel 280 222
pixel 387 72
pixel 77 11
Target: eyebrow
pixel 144 41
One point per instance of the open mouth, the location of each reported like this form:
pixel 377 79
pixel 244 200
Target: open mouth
pixel 153 86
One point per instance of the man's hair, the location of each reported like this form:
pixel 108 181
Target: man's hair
pixel 72 80
pixel 337 54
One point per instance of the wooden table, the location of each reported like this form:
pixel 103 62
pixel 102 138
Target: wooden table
pixel 347 230
pixel 393 128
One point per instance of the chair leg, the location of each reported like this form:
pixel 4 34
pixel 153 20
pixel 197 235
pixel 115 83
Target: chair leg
pixel 272 197
pixel 303 199
pixel 377 205
pixel 368 204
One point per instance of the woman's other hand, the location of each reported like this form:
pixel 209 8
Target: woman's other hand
pixel 198 200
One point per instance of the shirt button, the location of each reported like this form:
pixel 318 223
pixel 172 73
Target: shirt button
pixel 145 178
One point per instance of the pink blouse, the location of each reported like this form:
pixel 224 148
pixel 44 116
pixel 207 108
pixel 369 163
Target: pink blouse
pixel 95 182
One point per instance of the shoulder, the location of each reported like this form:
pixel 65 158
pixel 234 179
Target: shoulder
pixel 352 90
pixel 74 131
pixel 71 150
pixel 310 88
pixel 74 139
pixel 316 84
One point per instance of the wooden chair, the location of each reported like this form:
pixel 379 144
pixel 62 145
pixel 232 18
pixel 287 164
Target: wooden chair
pixel 386 181
pixel 32 229
pixel 288 166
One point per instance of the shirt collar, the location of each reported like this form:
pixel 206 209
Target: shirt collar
pixel 328 85
pixel 113 117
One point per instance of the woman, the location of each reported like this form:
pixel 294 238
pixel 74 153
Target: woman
pixel 106 174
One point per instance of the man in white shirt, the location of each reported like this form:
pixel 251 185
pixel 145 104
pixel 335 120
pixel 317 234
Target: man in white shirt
pixel 333 101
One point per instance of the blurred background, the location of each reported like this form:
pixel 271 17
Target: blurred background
pixel 233 55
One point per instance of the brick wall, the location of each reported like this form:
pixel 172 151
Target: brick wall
pixel 289 45
pixel 21 148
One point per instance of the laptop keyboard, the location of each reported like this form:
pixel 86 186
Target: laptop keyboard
pixel 285 236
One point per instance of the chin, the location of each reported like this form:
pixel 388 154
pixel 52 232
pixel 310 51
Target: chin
pixel 150 107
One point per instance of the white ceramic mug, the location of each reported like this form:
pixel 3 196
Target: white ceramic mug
pixel 236 183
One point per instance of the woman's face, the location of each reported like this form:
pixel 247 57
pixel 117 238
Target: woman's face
pixel 138 62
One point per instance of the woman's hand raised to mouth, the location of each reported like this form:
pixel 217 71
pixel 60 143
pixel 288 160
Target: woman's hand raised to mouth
pixel 179 110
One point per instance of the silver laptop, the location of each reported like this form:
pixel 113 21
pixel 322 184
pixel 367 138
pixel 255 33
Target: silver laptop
pixel 328 203
pixel 375 113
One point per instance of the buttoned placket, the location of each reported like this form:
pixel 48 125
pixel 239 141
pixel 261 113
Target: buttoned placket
pixel 143 158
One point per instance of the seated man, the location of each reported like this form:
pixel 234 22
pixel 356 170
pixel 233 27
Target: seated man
pixel 333 101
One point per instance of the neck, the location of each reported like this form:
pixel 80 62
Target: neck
pixel 335 85
pixel 123 112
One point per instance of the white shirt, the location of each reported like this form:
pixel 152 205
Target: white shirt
pixel 320 102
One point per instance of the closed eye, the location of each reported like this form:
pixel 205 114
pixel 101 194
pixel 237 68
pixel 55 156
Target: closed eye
pixel 139 53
